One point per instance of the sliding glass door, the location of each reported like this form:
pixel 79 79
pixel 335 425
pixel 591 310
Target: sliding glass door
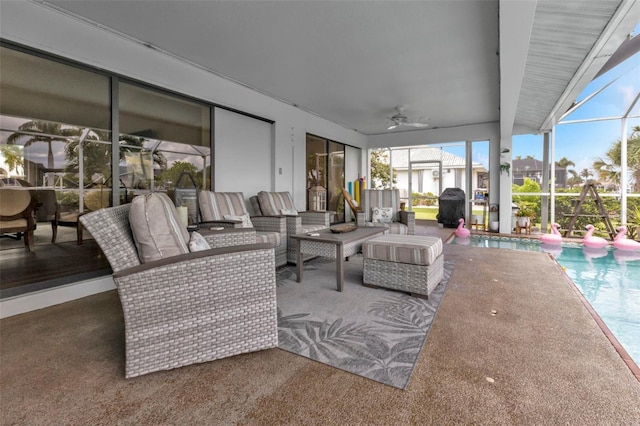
pixel 326 173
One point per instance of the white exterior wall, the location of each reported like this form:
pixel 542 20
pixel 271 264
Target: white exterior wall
pixel 39 27
pixel 429 184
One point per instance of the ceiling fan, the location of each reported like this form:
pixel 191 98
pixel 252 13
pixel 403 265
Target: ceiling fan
pixel 400 120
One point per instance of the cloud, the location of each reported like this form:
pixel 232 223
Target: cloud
pixel 628 93
pixel 482 159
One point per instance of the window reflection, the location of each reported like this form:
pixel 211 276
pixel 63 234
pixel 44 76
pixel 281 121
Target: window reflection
pixel 55 142
pixel 154 165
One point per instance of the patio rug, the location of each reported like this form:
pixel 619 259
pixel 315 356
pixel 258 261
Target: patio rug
pixel 374 333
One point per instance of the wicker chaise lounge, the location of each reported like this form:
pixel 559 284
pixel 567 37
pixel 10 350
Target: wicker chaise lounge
pixel 188 308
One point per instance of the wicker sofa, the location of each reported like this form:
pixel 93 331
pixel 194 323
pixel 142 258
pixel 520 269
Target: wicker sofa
pixel 193 307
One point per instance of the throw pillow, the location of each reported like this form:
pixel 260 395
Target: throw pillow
pixel 381 214
pixel 156 228
pixel 198 243
pixel 289 212
pixel 245 219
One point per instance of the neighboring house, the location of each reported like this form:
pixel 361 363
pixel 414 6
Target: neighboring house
pixel 531 168
pixel 425 169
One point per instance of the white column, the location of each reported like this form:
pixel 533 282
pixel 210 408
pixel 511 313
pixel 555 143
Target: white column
pixel 552 183
pixel 624 178
pixel 544 201
pixel 505 185
pixel 468 182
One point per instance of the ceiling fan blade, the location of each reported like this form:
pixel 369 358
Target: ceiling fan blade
pixel 393 126
pixel 416 124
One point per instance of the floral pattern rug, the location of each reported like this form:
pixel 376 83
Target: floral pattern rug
pixel 374 333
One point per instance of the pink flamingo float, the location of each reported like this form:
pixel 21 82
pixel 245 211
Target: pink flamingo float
pixel 593 242
pixel 461 231
pixel 621 242
pixel 553 237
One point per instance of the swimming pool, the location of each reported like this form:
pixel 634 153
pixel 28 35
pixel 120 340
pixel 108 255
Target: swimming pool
pixel 608 278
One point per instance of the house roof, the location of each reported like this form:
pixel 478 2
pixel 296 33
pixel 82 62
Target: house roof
pixel 517 64
pixel 399 158
pixel 522 164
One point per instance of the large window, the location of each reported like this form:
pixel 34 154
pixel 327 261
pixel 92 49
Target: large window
pixel 55 138
pixel 161 137
pixel 56 142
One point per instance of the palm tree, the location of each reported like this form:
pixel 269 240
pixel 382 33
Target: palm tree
pixel 586 174
pixel 96 156
pixel 44 131
pixel 12 155
pixel 565 162
pixel 609 166
pixel 574 180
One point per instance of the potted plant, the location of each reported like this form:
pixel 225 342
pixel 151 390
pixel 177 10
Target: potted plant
pixel 524 214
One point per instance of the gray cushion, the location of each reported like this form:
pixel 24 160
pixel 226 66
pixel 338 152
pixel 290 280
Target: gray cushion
pixel 268 237
pixel 413 249
pixel 217 205
pixel 255 205
pixel 272 203
pixel 157 231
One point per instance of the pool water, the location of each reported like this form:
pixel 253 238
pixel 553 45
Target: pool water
pixel 608 278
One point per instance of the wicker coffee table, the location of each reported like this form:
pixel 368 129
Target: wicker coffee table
pixel 333 246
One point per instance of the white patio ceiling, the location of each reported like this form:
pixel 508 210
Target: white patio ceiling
pixel 520 63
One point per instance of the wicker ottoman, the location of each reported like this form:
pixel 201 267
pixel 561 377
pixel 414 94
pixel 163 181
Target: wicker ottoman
pixel 410 263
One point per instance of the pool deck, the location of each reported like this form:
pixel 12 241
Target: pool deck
pixel 633 366
pixel 512 343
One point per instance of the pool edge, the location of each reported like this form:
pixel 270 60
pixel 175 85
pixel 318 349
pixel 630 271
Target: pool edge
pixel 631 364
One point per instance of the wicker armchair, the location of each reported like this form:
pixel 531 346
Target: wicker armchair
pixel 281 203
pixel 215 206
pixel 189 308
pixel 402 222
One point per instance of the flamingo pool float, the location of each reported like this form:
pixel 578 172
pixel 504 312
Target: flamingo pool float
pixel 462 232
pixel 621 242
pixel 553 237
pixel 593 242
